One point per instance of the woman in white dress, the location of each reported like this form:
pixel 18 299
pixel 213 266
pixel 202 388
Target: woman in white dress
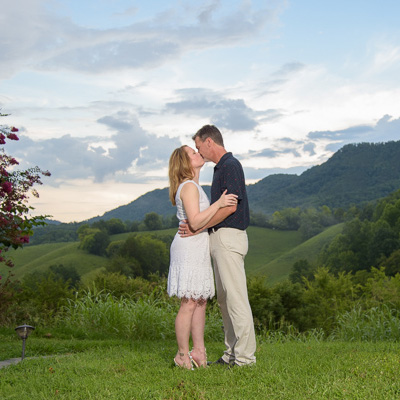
pixel 190 273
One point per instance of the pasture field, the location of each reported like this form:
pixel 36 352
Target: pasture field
pixel 280 266
pixel 38 258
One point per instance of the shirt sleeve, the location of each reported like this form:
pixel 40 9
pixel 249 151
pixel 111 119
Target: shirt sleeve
pixel 233 180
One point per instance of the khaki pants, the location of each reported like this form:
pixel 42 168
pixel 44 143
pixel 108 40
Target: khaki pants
pixel 228 249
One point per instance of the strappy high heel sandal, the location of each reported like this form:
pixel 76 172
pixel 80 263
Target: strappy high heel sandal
pixel 183 365
pixel 199 363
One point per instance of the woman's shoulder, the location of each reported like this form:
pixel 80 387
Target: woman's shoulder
pixel 182 184
pixel 192 183
pixel 187 181
pixel 188 188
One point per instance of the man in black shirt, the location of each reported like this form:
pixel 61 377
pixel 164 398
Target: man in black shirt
pixel 229 245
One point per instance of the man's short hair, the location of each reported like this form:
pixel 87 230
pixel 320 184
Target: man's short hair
pixel 209 131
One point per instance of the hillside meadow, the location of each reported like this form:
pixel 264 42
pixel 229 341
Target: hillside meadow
pixel 279 267
pixel 272 253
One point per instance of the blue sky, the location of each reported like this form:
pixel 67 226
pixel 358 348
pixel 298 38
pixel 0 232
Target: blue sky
pixel 103 91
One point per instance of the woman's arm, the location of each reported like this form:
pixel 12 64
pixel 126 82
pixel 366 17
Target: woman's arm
pixel 190 198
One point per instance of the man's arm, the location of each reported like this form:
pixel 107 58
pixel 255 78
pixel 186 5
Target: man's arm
pixel 220 215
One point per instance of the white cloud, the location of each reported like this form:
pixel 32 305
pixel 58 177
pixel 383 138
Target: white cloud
pixel 35 40
pixel 130 148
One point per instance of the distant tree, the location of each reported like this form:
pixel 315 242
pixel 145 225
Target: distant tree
pixel 167 239
pixel 170 222
pixel 154 255
pixel 392 263
pixel 84 230
pixel 95 242
pixel 153 221
pixel 127 266
pixel 67 274
pixel 111 226
pixel 100 224
pixel 151 253
pixel 287 219
pixel 371 239
pixel 301 269
pixel 114 248
pixel 391 214
pixel 383 241
pixel 259 219
pixel 326 217
pixel 51 233
pixel 310 224
pixel 132 226
pixel 115 225
pixel 339 214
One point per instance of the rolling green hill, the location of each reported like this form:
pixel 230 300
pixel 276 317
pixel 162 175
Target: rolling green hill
pixel 279 267
pixel 271 253
pixel 41 257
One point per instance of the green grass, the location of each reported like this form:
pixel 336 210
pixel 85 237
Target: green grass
pixel 38 258
pixel 279 267
pixel 265 245
pixel 271 253
pixel 104 369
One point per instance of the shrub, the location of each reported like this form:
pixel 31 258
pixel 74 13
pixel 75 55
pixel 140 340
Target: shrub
pixel 375 324
pixel 123 286
pixel 100 314
pixel 382 289
pixel 42 297
pixel 275 307
pixel 325 298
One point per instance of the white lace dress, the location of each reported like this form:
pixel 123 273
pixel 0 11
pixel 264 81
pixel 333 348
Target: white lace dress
pixel 190 272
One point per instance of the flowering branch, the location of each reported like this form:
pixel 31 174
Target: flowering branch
pixel 15 223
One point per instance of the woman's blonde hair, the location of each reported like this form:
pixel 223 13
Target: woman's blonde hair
pixel 180 169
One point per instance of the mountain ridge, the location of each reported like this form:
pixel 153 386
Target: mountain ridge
pixel 355 174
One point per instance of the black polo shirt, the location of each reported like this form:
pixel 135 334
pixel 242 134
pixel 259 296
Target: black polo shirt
pixel 228 174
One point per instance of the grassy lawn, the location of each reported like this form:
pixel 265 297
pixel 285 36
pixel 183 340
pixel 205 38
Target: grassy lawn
pixel 117 369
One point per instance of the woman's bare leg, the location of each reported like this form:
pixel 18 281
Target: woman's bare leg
pixel 198 324
pixel 183 325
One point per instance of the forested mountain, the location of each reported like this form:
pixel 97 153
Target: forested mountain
pixel 155 201
pixel 355 174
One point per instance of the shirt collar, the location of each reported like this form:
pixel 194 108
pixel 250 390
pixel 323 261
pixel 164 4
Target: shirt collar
pixel 222 160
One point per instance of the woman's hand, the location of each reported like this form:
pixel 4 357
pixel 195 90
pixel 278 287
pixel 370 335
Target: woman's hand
pixel 184 229
pixel 227 200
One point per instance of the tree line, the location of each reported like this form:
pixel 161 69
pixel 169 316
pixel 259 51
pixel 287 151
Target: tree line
pixel 70 232
pixel 309 222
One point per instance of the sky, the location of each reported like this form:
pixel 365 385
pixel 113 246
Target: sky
pixel 104 90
